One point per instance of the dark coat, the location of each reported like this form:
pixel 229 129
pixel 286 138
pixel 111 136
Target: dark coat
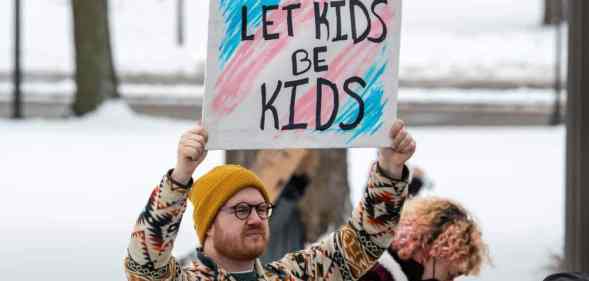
pixel 391 267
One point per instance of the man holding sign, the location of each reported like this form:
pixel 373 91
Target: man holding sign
pixel 231 212
pixel 301 73
pixel 283 74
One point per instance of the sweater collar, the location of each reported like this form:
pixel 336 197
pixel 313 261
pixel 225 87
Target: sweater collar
pixel 210 263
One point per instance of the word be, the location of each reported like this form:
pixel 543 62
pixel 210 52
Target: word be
pixel 317 63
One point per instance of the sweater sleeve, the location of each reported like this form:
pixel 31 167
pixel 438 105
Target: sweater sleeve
pixel 150 249
pixel 351 251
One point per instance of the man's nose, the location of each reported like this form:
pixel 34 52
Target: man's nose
pixel 254 218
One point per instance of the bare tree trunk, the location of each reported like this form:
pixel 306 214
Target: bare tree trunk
pixel 180 22
pixel 95 75
pixel 246 158
pixel 111 61
pixel 326 203
pixel 577 183
pixel 554 12
pixel 17 71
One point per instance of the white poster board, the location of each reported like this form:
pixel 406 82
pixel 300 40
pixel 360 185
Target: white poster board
pixel 301 73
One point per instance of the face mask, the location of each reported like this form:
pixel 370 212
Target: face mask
pixel 412 269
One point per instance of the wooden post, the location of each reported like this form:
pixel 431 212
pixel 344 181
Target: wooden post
pixel 180 22
pixel 577 170
pixel 17 72
pixel 553 12
pixel 556 118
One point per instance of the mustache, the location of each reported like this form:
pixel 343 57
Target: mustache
pixel 254 229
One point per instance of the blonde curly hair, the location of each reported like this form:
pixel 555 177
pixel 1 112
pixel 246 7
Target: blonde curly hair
pixel 440 228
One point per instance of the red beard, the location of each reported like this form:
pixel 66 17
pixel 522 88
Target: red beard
pixel 249 245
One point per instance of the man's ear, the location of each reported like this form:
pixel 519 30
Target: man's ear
pixel 211 230
pixel 207 235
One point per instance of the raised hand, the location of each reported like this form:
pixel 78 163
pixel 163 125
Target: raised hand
pixel 191 152
pixel 392 159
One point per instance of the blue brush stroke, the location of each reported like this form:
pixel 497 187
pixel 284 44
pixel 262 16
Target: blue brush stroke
pixel 372 95
pixel 231 11
pixel 374 102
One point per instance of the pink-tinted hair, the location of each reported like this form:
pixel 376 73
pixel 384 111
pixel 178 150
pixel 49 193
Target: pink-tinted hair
pixel 439 228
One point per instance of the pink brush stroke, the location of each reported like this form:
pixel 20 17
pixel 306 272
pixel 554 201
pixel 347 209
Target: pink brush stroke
pixel 236 81
pixel 354 60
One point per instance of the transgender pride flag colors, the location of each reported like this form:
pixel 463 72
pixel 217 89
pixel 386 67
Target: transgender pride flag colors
pixel 301 73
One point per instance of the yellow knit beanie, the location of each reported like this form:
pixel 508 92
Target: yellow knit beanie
pixel 210 192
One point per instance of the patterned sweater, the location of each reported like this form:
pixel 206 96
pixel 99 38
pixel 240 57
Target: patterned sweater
pixel 345 254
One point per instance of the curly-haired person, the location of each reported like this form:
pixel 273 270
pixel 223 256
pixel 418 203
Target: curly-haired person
pixel 436 239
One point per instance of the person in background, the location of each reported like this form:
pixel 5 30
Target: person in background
pixel 419 182
pixel 286 227
pixel 436 239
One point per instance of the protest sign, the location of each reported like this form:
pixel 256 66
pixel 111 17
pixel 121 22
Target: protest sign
pixel 301 73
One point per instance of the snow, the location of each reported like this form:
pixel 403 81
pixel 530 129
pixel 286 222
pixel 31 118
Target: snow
pixel 488 39
pixel 73 188
pixel 143 36
pixel 477 39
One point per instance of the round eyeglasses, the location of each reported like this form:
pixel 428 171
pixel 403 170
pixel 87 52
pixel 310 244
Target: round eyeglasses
pixel 243 210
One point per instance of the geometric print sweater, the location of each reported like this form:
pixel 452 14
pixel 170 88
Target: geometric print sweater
pixel 345 254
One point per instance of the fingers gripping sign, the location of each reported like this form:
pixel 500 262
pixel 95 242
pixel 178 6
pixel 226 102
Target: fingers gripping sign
pixel 191 152
pixel 392 159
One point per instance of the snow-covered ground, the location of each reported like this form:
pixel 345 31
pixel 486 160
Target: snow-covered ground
pixel 478 39
pixel 72 190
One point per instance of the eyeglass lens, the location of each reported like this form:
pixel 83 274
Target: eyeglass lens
pixel 243 210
